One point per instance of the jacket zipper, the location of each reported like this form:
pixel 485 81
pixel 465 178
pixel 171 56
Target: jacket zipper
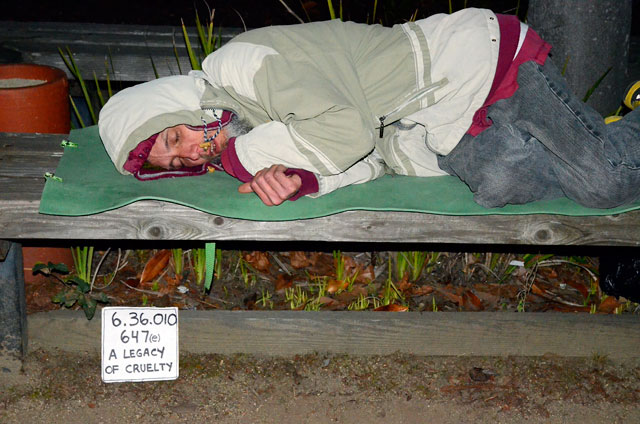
pixel 417 96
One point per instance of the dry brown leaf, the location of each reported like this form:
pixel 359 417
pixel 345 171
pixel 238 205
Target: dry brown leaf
pixel 258 260
pixel 155 266
pixel 584 291
pixel 392 307
pixel 351 295
pixel 548 273
pixel 449 292
pixel 334 286
pixel 537 290
pixel 299 259
pixel 321 263
pixel 330 304
pixel 421 290
pixel 133 282
pixel 366 275
pixel 284 281
pixel 404 285
pixel 609 305
pixel 172 282
pixel 471 301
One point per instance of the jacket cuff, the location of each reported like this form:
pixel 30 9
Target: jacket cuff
pixel 309 182
pixel 232 164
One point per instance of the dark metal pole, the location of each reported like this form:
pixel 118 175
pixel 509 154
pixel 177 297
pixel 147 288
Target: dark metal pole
pixel 13 308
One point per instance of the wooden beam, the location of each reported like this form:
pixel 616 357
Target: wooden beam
pixel 95 47
pixel 24 159
pixel 156 220
pixel 369 333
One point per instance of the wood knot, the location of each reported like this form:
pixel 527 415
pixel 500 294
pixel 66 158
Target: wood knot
pixel 542 235
pixel 218 220
pixel 155 232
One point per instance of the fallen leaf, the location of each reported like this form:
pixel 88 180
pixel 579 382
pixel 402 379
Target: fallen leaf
pixel 421 290
pixel 172 282
pixel 321 263
pixel 284 281
pixel 391 307
pixel 584 291
pixel 155 266
pixel 471 301
pixel 366 275
pixel 448 292
pixel 250 301
pixel 404 285
pixel 351 295
pixel 609 305
pixel 258 260
pixel 334 286
pixel 537 290
pixel 133 282
pixel 548 273
pixel 299 259
pixel 480 374
pixel 330 304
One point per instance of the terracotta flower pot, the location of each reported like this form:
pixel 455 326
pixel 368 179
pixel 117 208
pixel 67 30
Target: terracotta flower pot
pixel 33 255
pixel 41 108
pixel 35 99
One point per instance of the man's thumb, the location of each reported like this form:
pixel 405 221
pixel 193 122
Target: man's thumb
pixel 245 188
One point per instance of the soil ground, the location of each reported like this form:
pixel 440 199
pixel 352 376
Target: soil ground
pixel 59 387
pixel 62 387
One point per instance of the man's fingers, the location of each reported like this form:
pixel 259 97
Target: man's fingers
pixel 272 186
pixel 245 188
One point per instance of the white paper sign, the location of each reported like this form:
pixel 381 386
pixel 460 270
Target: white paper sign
pixel 139 344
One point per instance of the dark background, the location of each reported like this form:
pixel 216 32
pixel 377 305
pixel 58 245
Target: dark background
pixel 255 13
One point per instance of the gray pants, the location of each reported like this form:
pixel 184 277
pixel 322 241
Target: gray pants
pixel 546 143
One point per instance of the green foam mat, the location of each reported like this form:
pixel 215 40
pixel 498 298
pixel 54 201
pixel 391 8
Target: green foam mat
pixel 90 184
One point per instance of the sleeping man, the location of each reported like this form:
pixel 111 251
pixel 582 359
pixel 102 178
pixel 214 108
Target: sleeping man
pixel 303 110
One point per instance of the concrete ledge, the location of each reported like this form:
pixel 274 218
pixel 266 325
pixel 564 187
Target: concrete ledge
pixel 284 333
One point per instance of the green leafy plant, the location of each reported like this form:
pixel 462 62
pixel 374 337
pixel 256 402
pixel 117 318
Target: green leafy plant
pixel 76 290
pixel 217 268
pixel 296 297
pixel 207 40
pixel 265 299
pixel 83 259
pixel 363 302
pixel 178 261
pixel 390 292
pixel 199 264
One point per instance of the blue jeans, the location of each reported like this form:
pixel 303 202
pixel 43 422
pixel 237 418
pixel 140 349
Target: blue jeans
pixel 545 143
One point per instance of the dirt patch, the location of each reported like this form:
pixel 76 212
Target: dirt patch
pixel 19 82
pixel 62 387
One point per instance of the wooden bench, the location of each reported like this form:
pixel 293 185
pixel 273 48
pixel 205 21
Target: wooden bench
pixel 24 158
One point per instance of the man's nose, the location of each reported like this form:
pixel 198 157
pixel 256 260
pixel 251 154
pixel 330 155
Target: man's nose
pixel 193 152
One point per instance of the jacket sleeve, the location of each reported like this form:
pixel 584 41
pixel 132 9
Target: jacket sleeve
pixel 368 169
pixel 315 124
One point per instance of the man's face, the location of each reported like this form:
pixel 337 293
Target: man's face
pixel 178 147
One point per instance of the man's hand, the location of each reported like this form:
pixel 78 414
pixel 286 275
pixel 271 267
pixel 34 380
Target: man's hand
pixel 272 186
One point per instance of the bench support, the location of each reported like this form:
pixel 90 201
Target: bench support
pixel 13 309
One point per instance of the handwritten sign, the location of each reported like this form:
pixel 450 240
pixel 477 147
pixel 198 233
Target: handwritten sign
pixel 139 344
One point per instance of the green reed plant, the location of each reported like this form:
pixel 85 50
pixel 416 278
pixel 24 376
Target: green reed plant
pixel 199 264
pixel 178 261
pixel 208 41
pixel 82 260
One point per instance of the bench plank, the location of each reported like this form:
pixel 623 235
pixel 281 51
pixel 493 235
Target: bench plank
pixel 156 220
pixel 128 47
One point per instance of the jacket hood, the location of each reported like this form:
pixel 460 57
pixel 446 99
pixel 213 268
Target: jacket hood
pixel 137 113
